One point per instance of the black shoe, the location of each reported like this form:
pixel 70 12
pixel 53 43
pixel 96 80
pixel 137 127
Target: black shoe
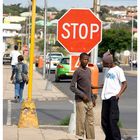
pixel 16 99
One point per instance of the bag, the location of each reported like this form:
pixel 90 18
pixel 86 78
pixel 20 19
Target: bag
pixel 25 78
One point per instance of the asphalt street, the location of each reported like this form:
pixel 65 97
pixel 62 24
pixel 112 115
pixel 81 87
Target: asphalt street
pixel 49 112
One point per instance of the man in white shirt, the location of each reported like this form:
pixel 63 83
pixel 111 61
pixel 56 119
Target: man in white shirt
pixel 14 56
pixel 113 87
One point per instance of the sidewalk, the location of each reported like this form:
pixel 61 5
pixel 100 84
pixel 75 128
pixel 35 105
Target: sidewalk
pixel 45 132
pixel 133 72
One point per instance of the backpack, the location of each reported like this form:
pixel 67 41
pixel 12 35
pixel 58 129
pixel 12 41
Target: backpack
pixel 22 73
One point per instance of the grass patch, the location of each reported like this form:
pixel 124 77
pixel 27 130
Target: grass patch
pixel 64 121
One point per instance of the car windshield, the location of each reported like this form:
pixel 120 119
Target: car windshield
pixel 55 58
pixel 55 55
pixel 65 61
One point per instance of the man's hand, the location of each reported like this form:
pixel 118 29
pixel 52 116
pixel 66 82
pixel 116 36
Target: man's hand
pixel 94 103
pixel 118 96
pixel 85 98
pixel 11 78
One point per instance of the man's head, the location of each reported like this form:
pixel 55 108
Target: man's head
pixel 107 59
pixel 16 47
pixel 84 59
pixel 20 58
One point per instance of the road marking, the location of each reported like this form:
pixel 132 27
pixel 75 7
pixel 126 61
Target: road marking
pixel 9 113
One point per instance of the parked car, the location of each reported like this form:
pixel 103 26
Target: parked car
pixel 54 54
pixel 63 70
pixel 6 58
pixel 100 64
pixel 52 63
pixel 52 58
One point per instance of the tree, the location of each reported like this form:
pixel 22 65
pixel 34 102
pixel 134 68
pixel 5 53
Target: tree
pixel 115 41
pixel 52 9
pixel 104 12
pixel 60 14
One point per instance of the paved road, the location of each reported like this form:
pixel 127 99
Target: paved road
pixel 49 112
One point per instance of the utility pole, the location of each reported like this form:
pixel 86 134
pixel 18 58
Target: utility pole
pixel 132 56
pixel 26 31
pixel 45 24
pixel 94 52
pixel 29 25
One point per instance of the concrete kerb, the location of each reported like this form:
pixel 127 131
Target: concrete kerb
pixel 134 73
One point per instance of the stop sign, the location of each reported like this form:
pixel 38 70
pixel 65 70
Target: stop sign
pixel 79 30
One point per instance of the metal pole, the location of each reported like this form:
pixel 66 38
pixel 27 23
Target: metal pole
pixel 29 26
pixel 26 32
pixel 49 83
pixel 45 21
pixel 32 50
pixel 94 52
pixel 22 38
pixel 132 45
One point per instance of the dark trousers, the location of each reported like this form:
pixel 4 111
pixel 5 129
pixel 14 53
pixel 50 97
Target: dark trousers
pixel 110 118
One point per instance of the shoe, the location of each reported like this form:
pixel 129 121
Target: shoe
pixel 16 99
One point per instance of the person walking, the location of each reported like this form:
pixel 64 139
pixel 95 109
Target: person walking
pixel 113 87
pixel 20 70
pixel 85 101
pixel 14 55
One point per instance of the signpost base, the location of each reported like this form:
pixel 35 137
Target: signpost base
pixel 49 85
pixel 28 116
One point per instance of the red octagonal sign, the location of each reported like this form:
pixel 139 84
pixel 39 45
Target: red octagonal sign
pixel 79 30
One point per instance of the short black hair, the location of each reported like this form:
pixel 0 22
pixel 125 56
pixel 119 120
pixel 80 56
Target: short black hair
pixel 20 58
pixel 83 54
pixel 16 47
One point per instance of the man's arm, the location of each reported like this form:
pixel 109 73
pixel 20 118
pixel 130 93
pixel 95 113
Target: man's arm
pixel 74 88
pixel 123 87
pixel 13 73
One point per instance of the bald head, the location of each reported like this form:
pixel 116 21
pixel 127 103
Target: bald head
pixel 107 58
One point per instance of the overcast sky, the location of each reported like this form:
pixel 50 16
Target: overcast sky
pixel 62 4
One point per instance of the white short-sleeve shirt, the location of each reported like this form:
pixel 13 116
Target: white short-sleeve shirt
pixel 14 54
pixel 112 84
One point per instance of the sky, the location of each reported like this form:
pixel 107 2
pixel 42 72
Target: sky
pixel 66 4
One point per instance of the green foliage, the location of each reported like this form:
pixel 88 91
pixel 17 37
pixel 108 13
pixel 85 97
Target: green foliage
pixel 60 14
pixel 52 9
pixel 104 12
pixel 65 121
pixel 49 48
pixel 120 124
pixel 63 50
pixel 41 45
pixel 16 9
pixel 134 23
pixel 115 41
